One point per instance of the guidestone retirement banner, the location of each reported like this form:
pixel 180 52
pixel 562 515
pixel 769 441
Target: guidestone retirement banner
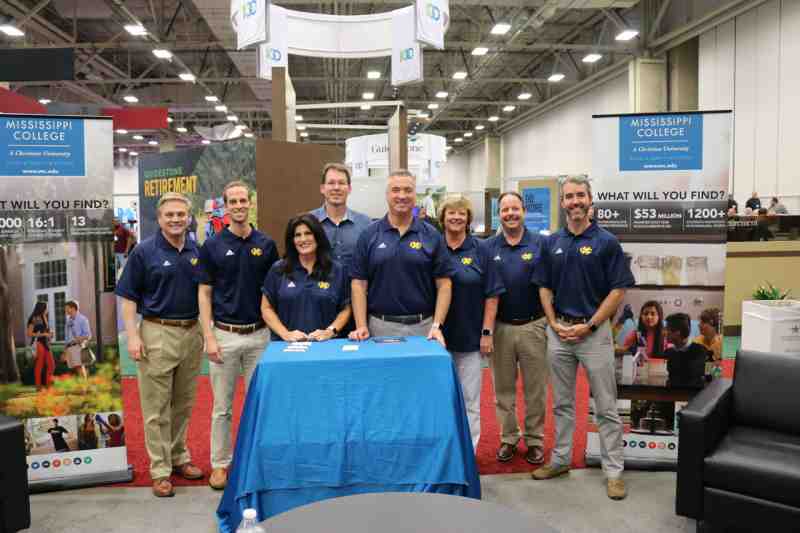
pixel 56 180
pixel 660 184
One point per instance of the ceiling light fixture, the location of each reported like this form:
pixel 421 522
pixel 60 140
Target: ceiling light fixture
pixel 479 127
pixel 205 141
pixel 301 127
pixel 480 51
pixel 211 98
pixel 122 131
pixel 11 30
pixel 524 96
pixel 136 29
pixel 304 134
pixel 169 120
pixel 468 134
pixel 152 143
pixel 134 153
pixel 248 135
pixel 592 58
pixel 368 96
pixel 373 75
pixel 44 101
pixel 181 129
pixel 433 106
pixel 162 53
pixel 458 140
pixel 298 118
pixel 442 94
pixel 366 107
pixel 460 75
pixel 187 76
pixel 232 118
pixel 138 138
pixel 509 108
pixel 130 98
pixel 626 35
pixel 556 77
pixel 422 115
pixel 493 118
pixel 221 108
pixel 501 28
pixel 123 150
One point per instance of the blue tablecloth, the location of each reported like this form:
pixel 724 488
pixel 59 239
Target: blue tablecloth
pixel 328 422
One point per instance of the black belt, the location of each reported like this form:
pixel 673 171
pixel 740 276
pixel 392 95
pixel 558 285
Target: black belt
pixel 245 329
pixel 521 321
pixel 404 319
pixel 573 319
pixel 175 323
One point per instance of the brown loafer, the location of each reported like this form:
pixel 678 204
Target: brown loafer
pixel 506 452
pixel 535 455
pixel 188 471
pixel 218 478
pixel 162 488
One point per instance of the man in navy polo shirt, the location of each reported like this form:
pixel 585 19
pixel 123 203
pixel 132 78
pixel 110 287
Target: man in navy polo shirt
pixel 582 280
pixel 519 335
pixel 158 282
pixel 233 264
pixel 342 225
pixel 400 270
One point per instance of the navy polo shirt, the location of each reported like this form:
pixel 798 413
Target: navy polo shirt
pixel 343 237
pixel 475 279
pixel 161 279
pixel 401 271
pixel 305 303
pixel 235 267
pixel 515 263
pixel 582 270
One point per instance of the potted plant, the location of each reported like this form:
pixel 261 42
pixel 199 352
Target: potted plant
pixel 771 321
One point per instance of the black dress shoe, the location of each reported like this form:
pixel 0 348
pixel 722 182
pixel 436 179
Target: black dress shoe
pixel 535 455
pixel 506 452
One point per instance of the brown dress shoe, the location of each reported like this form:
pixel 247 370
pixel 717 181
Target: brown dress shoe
pixel 506 452
pixel 218 478
pixel 188 471
pixel 162 488
pixel 535 455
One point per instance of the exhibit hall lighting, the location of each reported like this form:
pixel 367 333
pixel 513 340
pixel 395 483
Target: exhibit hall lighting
pixel 11 30
pixel 134 153
pixel 460 75
pixel 479 127
pixel 373 75
pixel 162 53
pixel 301 127
pixel 592 58
pixel 509 108
pixel 248 135
pixel 232 118
pixel 304 134
pixel 138 138
pixel 524 96
pixel 458 140
pixel 298 118
pixel 187 76
pixel 501 28
pixel 433 106
pixel 626 35
pixel 480 51
pixel 366 107
pixel 442 94
pixel 169 120
pixel 211 98
pixel 205 141
pixel 130 98
pixel 368 96
pixel 137 30
pixel 468 134
pixel 493 118
pixel 123 150
pixel 221 108
pixel 555 77
pixel 44 101
pixel 422 115
pixel 122 131
pixel 153 143
pixel 181 129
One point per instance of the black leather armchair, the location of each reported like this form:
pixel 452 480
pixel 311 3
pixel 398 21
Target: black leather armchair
pixel 739 452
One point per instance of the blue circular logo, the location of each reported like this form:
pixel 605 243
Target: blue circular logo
pixel 35 465
pixel 642 444
pixel 76 461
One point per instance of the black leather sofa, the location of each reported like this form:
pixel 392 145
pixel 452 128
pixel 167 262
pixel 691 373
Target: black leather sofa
pixel 15 511
pixel 739 452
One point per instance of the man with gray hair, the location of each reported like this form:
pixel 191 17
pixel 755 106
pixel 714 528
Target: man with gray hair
pixel 400 270
pixel 159 283
pixel 582 279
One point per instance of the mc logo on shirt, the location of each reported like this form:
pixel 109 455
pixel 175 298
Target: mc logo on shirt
pixel 415 245
pixel 466 260
pixel 323 285
pixel 193 261
pixel 256 252
pixel 585 250
pixel 527 256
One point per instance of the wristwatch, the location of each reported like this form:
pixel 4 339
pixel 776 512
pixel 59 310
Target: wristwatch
pixel 333 329
pixel 486 332
pixel 592 326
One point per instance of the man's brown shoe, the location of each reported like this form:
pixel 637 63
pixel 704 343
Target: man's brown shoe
pixel 162 488
pixel 549 472
pixel 535 455
pixel 218 478
pixel 506 452
pixel 616 489
pixel 188 471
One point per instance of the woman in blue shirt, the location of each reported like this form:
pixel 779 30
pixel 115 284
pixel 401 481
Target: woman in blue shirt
pixel 477 285
pixel 306 295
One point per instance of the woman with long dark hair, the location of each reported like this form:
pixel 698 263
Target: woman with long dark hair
pixel 39 333
pixel 306 295
pixel 87 435
pixel 649 333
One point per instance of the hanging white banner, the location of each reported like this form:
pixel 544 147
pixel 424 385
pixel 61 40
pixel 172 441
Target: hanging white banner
pixel 274 53
pixel 406 52
pixel 250 21
pixel 432 19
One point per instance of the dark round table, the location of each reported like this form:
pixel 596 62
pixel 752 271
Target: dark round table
pixel 404 512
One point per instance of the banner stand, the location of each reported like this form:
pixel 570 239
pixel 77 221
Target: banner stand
pixel 80 482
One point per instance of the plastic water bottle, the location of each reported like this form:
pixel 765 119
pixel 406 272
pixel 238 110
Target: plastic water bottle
pixel 249 524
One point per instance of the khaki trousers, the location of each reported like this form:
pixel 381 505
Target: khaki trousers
pixel 525 348
pixel 167 383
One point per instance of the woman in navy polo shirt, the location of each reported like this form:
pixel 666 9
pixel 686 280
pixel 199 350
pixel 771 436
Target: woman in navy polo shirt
pixel 306 295
pixel 477 285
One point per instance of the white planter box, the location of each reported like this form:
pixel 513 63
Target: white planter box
pixel 771 326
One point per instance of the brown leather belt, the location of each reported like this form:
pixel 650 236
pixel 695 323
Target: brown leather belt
pixel 175 323
pixel 407 320
pixel 245 329
pixel 573 319
pixel 521 321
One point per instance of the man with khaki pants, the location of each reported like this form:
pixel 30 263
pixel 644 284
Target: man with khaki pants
pixel 158 282
pixel 232 266
pixel 520 341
